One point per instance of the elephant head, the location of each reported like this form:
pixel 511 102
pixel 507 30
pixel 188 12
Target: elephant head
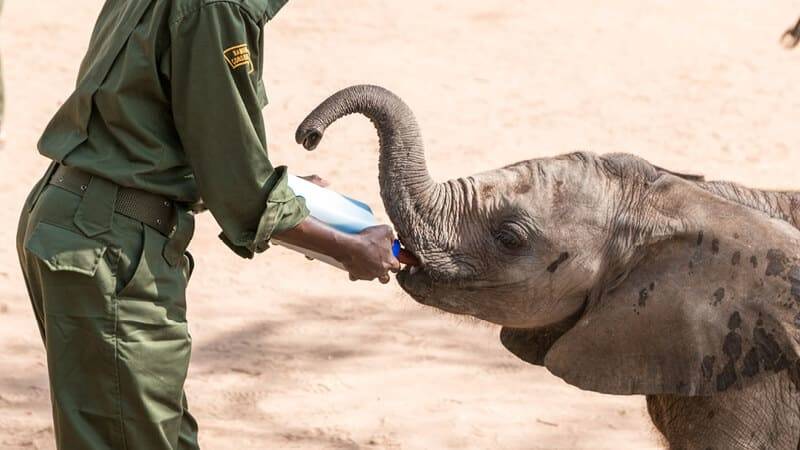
pixel 617 275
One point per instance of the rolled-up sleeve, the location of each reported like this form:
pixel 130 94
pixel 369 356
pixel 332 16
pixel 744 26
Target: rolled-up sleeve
pixel 217 97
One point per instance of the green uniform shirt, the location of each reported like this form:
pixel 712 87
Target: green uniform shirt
pixel 169 100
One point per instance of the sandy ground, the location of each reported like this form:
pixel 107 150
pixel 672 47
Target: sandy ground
pixel 288 353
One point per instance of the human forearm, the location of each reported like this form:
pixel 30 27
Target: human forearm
pixel 366 255
pixel 320 238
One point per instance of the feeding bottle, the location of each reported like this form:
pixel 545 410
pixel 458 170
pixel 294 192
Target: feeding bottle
pixel 336 210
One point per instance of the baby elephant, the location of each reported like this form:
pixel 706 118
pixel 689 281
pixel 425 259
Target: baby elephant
pixel 618 276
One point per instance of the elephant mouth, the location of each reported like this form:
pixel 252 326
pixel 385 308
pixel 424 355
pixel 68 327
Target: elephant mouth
pixel 476 297
pixel 416 283
pixel 427 291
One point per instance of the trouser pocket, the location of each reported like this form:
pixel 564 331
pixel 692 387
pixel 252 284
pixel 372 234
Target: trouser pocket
pixel 153 346
pixel 114 320
pixel 72 287
pixel 156 293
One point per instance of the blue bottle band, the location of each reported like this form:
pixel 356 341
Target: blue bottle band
pixel 396 248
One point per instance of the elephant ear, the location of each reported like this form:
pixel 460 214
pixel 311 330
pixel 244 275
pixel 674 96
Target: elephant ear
pixel 685 176
pixel 695 316
pixel 625 164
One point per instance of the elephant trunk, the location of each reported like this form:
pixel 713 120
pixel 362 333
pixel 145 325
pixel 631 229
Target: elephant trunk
pixel 409 193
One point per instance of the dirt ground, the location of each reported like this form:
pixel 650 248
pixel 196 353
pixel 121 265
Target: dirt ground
pixel 288 353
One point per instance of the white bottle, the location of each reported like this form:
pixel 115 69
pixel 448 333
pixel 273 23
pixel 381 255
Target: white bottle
pixel 334 209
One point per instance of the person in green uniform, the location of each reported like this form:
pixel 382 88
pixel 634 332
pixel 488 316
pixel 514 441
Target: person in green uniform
pixel 166 112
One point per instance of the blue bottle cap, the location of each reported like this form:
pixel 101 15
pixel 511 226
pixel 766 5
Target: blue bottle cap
pixel 396 248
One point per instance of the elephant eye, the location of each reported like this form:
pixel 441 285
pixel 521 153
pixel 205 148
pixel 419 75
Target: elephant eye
pixel 511 236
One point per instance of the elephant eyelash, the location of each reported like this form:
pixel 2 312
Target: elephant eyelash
pixel 507 239
pixel 511 235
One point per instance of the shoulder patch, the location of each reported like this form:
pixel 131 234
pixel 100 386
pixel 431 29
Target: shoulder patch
pixel 239 56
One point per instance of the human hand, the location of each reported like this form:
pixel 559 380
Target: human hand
pixel 372 256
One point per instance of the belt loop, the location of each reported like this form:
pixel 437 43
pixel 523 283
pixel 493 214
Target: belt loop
pixel 179 240
pixel 96 211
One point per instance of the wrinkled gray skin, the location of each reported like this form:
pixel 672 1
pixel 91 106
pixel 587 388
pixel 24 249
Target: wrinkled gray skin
pixel 618 276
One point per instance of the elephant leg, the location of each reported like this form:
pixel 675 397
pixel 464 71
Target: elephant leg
pixel 763 416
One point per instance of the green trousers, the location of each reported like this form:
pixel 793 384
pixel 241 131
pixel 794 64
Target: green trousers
pixel 112 314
